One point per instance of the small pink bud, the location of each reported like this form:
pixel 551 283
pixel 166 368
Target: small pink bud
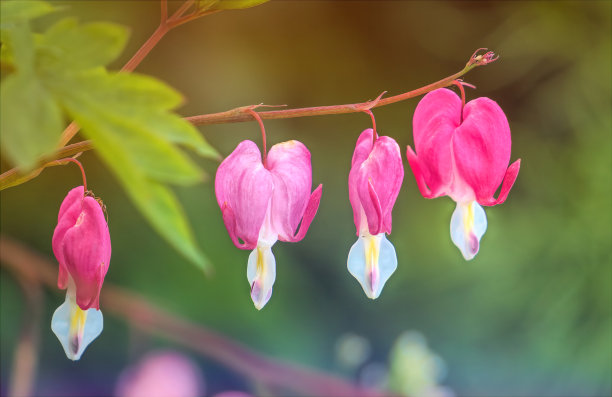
pixel 81 244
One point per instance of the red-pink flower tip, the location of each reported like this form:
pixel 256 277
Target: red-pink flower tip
pixel 81 243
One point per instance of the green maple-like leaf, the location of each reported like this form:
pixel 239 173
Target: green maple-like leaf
pixel 20 11
pixel 128 117
pixel 82 46
pixel 31 120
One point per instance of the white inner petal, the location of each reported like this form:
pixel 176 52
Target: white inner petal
pixel 372 260
pixel 76 328
pixel 261 273
pixel 468 225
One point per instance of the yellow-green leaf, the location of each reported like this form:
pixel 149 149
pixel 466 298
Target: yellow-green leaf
pixel 75 46
pixel 21 10
pixel 128 117
pixel 154 200
pixel 91 99
pixel 31 121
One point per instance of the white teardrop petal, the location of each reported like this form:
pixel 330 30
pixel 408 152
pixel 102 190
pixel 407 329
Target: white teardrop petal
pixel 86 326
pixel 387 262
pixel 372 260
pixel 261 273
pixel 356 263
pixel 468 225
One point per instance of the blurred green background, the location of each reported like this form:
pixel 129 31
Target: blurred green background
pixel 531 315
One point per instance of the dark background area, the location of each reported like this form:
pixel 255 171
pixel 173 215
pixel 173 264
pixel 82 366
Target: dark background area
pixel 531 315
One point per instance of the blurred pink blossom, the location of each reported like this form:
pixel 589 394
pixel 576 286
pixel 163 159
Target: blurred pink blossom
pixel 231 393
pixel 161 374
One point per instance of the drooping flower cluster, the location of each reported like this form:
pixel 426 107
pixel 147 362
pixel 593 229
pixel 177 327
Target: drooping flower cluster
pixel 375 180
pixel 82 246
pixel 463 152
pixel 262 203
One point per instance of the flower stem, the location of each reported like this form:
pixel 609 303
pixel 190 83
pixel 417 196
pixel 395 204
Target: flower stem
pixel 77 162
pixel 462 90
pixel 263 132
pixel 375 134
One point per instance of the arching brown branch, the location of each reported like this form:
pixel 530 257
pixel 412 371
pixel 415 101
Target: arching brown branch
pixel 243 113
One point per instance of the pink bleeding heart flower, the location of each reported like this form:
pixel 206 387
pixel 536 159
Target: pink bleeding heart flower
pixel 464 154
pixel 81 244
pixel 265 203
pixel 374 182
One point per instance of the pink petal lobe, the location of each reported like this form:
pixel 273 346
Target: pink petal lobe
pixel 509 179
pixel 309 213
pixel 245 187
pixel 376 205
pixel 230 224
pixel 436 117
pixel 481 147
pixel 363 147
pixel 289 164
pixel 68 214
pixel 73 198
pixel 87 251
pixel 374 183
pixel 413 161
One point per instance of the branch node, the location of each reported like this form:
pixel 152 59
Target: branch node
pixel 365 106
pixel 478 59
